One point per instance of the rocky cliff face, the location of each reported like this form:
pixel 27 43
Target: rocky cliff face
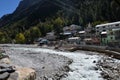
pixel 28 8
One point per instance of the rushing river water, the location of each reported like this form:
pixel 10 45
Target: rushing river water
pixel 82 67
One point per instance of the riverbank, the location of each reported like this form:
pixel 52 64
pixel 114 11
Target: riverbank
pixel 77 70
pixel 47 66
pixel 112 52
pixel 108 64
pixel 9 71
pixel 55 61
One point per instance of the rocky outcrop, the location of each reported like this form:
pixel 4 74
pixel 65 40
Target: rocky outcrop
pixel 11 72
pixel 8 72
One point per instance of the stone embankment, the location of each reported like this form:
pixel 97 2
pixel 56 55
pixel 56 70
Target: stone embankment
pixel 13 72
pixel 115 53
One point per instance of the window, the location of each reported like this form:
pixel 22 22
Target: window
pixel 103 26
pixel 111 38
pixel 104 30
pixel 97 27
pixel 117 25
pixel 97 31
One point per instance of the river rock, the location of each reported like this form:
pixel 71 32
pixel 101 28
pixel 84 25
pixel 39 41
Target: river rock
pixel 4 76
pixel 23 74
pixel 13 76
pixel 5 60
pixel 2 66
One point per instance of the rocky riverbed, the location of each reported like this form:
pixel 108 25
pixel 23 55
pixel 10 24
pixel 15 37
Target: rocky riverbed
pixel 47 66
pixel 110 68
pixel 57 65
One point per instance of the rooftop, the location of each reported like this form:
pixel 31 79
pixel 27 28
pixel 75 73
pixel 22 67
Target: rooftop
pixel 104 32
pixel 81 32
pixel 108 24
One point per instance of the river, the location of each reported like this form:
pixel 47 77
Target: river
pixel 82 67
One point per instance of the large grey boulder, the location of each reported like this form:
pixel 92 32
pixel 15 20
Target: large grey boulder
pixel 4 76
pixel 13 76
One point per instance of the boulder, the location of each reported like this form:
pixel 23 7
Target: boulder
pixel 23 74
pixel 5 60
pixel 2 66
pixel 9 70
pixel 4 76
pixel 13 76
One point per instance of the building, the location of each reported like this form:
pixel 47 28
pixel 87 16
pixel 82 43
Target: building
pixel 109 33
pixel 106 27
pixel 50 36
pixel 107 37
pixel 92 41
pixel 82 35
pixel 74 40
pixel 72 29
pixel 114 39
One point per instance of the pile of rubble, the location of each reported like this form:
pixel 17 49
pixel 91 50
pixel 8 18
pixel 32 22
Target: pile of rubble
pixel 12 72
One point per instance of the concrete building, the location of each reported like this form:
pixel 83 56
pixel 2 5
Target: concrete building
pixel 74 40
pixel 109 33
pixel 72 28
pixel 106 27
pixel 50 36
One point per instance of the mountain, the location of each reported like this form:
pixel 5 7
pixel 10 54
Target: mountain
pixel 48 13
pixel 86 10
pixel 28 8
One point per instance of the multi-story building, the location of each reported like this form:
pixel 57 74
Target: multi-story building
pixel 109 32
pixel 106 27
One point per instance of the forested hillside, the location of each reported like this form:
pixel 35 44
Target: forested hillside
pixel 34 18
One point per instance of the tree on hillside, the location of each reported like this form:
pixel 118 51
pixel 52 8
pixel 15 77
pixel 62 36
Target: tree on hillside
pixel 20 38
pixel 32 34
pixel 27 36
pixel 45 27
pixel 35 32
pixel 117 1
pixel 58 25
pixel 2 38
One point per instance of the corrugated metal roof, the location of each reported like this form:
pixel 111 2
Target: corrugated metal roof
pixel 81 32
pixel 103 32
pixel 108 24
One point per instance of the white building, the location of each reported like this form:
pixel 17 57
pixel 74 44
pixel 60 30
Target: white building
pixel 107 27
pixel 72 28
pixel 74 40
pixel 51 36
